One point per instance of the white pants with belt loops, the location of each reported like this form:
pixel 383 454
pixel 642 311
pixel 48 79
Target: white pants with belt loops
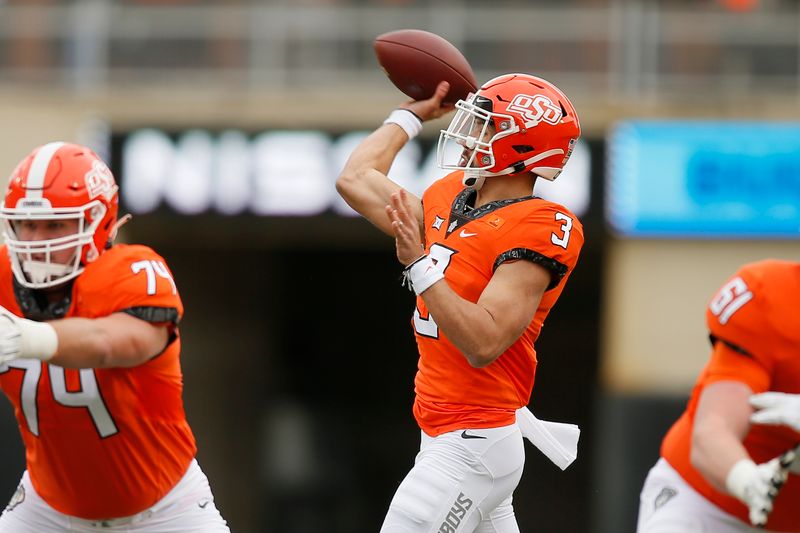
pixel 187 508
pixel 461 482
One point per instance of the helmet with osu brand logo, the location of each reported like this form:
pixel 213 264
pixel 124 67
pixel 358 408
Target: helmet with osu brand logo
pixel 515 123
pixel 59 182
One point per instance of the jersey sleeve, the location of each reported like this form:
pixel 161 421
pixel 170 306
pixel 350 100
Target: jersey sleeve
pixel 550 236
pixel 736 319
pixel 133 280
pixel 728 364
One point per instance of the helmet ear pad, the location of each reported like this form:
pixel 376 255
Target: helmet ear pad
pixel 60 181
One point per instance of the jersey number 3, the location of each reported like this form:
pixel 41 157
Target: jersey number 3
pixel 566 227
pixel 88 396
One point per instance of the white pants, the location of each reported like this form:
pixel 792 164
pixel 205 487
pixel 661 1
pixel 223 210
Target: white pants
pixel 668 504
pixel 461 482
pixel 187 508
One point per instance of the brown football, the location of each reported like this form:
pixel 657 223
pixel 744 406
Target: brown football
pixel 416 61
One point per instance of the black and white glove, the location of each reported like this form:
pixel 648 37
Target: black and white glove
pixel 776 408
pixel 21 338
pixel 757 486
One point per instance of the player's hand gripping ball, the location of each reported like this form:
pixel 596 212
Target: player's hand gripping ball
pixel 416 61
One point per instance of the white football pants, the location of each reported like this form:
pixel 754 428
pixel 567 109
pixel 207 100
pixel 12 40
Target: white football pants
pixel 667 504
pixel 461 482
pixel 187 508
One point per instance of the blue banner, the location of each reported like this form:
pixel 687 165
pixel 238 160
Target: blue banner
pixel 704 179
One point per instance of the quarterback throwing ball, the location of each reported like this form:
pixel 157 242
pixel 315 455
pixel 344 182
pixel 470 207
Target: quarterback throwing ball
pixel 487 260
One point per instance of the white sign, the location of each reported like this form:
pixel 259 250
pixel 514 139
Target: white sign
pixel 281 173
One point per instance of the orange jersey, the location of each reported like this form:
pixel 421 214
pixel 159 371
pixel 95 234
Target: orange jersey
pixel 755 326
pixel 110 442
pixel 472 243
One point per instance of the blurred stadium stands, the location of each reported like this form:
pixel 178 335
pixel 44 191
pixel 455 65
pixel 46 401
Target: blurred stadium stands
pixel 299 377
pixel 612 56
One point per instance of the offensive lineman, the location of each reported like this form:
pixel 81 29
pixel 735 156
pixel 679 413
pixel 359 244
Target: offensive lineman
pixel 89 358
pixel 718 472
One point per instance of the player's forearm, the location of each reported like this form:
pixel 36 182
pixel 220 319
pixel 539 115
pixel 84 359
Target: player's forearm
pixel 375 153
pixel 721 424
pixel 715 449
pixel 378 150
pixel 469 326
pixel 99 343
pixel 363 183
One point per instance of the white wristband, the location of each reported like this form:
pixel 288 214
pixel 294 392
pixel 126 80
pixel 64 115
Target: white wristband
pixel 739 477
pixel 422 273
pixel 38 340
pixel 407 120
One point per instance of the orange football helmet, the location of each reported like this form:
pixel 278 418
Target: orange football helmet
pixel 59 181
pixel 515 123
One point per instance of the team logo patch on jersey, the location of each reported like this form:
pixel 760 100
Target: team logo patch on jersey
pixel 437 222
pixel 495 221
pixel 99 181
pixel 666 494
pixel 17 498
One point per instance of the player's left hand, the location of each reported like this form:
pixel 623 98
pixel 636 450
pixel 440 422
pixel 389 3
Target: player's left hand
pixel 776 408
pixel 405 227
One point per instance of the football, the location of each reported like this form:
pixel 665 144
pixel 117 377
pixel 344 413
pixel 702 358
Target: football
pixel 416 61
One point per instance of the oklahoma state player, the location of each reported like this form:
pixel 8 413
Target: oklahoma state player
pixel 718 472
pixel 487 261
pixel 89 357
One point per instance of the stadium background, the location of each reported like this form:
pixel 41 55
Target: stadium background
pixel 298 356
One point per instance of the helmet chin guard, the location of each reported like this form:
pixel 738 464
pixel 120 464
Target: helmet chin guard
pixel 40 273
pixel 470 180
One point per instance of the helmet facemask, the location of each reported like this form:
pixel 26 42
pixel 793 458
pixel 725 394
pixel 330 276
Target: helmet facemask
pixel 467 143
pixel 32 260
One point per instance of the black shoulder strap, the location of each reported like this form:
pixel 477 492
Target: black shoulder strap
pixel 738 349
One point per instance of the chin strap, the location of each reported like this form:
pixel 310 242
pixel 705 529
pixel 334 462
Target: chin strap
pixel 476 175
pixel 545 172
pixel 124 219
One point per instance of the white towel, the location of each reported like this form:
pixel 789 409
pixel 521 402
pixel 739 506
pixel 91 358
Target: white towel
pixel 558 441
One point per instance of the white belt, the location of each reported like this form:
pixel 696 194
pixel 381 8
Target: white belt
pixel 558 441
pixel 115 522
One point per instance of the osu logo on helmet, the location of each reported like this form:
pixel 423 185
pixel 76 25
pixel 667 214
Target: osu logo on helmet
pixel 59 181
pixel 536 108
pixel 515 123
